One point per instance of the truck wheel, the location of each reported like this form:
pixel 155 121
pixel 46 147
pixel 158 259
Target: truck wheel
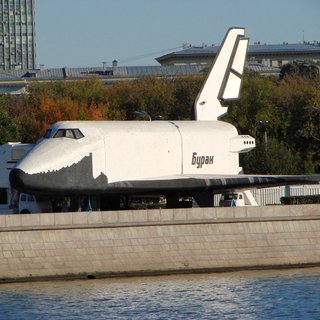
pixel 25 211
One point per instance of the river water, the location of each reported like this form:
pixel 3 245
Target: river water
pixel 293 294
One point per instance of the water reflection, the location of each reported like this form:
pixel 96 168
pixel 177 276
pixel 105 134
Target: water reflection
pixel 240 295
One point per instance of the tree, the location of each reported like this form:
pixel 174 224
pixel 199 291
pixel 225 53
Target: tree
pixel 289 110
pixel 50 102
pixel 84 91
pixel 63 109
pixel 23 113
pixel 149 94
pixel 299 101
pixel 273 157
pixel 185 93
pixel 256 103
pixel 8 129
pixel 300 68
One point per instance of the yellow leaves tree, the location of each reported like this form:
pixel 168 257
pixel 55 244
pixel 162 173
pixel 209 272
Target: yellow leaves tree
pixel 47 103
pixel 52 110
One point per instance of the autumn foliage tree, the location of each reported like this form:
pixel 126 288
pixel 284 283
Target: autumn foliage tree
pixel 48 103
pixel 171 99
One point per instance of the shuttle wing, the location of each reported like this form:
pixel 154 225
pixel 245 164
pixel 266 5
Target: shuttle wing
pixel 182 184
pixel 224 78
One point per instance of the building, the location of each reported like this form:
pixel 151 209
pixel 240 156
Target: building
pixel 17 35
pixel 15 81
pixel 264 54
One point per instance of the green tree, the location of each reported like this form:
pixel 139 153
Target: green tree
pixel 286 111
pixel 149 94
pixel 8 129
pixel 256 103
pixel 273 157
pixel 299 101
pixel 185 93
pixel 300 68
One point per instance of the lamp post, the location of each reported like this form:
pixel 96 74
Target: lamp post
pixel 142 113
pixel 263 124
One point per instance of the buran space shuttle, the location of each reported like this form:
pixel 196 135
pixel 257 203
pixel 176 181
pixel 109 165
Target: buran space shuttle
pixel 172 158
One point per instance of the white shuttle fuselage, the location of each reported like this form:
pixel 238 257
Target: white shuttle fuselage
pixel 134 150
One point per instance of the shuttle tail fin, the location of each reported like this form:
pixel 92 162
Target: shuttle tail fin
pixel 224 78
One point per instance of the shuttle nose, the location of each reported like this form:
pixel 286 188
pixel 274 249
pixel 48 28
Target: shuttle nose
pixel 18 179
pixel 29 183
pixel 75 179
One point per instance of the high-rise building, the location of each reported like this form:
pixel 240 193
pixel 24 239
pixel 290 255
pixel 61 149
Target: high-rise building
pixel 17 35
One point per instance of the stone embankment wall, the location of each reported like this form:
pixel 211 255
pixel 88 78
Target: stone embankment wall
pixel 81 244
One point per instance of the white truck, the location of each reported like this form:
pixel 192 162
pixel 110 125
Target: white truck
pixel 11 201
pixel 237 199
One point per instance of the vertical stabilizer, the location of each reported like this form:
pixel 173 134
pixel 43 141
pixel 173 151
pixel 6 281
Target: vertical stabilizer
pixel 224 78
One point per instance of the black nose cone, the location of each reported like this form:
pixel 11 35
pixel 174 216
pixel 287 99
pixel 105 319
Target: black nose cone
pixel 28 183
pixel 17 179
pixel 75 179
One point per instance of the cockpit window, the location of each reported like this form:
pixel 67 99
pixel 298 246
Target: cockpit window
pixel 69 133
pixel 77 134
pixel 60 133
pixel 47 134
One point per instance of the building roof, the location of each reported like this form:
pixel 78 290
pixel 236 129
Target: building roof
pixel 299 48
pixel 8 76
pixel 257 67
pixel 256 49
pixel 15 81
pixel 114 73
pixel 105 73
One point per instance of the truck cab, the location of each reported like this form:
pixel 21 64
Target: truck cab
pixel 30 204
pixel 11 201
pixel 237 199
pixel 232 199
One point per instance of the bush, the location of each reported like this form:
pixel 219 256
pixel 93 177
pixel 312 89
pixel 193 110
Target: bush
pixel 300 199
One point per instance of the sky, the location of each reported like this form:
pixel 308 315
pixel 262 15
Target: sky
pixel 86 33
